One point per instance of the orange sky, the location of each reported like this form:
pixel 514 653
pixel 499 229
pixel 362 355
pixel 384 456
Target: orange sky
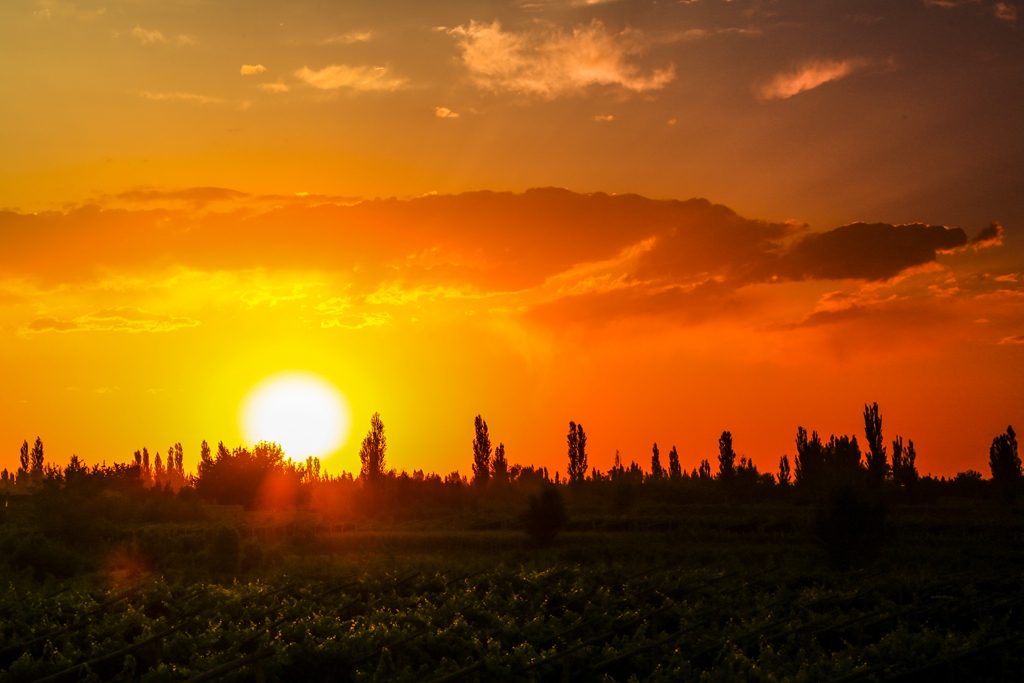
pixel 190 206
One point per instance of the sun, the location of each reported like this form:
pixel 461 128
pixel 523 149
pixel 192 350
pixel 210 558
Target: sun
pixel 303 412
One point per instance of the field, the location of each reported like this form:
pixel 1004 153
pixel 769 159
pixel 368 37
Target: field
pixel 712 594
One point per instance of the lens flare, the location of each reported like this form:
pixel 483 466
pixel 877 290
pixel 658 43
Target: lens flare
pixel 303 412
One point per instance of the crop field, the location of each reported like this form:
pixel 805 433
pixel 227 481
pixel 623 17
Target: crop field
pixel 603 622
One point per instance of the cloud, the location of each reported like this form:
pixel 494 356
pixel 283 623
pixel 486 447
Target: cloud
pixel 361 78
pixel 606 118
pixel 273 87
pixel 807 77
pixel 1015 339
pixel 152 36
pixel 249 69
pixel 558 253
pixel 350 38
pixel 862 251
pixel 183 96
pixel 554 62
pixel 199 195
pixel 445 113
pixel 1005 11
pixel 992 236
pixel 118 319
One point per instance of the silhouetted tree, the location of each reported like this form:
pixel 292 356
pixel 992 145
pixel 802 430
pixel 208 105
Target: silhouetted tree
pixel 704 471
pixel 842 457
pixel 1004 461
pixel 784 472
pixel 159 477
pixel 876 461
pixel 36 458
pixel 499 466
pixel 373 451
pixel 545 515
pixel 904 472
pixel 577 443
pixel 260 477
pixel 675 471
pixel 726 457
pixel 204 452
pixel 810 459
pixel 24 457
pixel 657 472
pixel 481 453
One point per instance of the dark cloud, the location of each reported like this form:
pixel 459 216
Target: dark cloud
pixel 485 240
pixel 863 251
pixel 990 236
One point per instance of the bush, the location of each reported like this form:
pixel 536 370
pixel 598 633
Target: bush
pixel 545 515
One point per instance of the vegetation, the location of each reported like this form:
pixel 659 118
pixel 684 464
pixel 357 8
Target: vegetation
pixel 849 567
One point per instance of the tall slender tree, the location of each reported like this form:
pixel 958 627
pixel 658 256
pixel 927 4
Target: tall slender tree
pixel 657 471
pixel 36 458
pixel 499 465
pixel 726 457
pixel 784 473
pixel 24 458
pixel 878 467
pixel 373 451
pixel 481 453
pixel 577 448
pixel 675 471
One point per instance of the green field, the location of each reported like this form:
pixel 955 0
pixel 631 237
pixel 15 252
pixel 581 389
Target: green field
pixel 705 593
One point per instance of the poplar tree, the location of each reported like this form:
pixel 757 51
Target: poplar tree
pixel 784 472
pixel 36 458
pixel 675 471
pixel 877 465
pixel 577 443
pixel 373 451
pixel 657 472
pixel 499 466
pixel 726 457
pixel 481 453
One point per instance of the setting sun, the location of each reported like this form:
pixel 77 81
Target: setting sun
pixel 303 412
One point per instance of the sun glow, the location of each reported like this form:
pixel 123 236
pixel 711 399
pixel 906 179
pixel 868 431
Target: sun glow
pixel 303 412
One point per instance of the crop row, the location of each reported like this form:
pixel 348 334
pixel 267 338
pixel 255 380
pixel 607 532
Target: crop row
pixel 517 624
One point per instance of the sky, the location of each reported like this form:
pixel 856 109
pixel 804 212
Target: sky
pixel 659 219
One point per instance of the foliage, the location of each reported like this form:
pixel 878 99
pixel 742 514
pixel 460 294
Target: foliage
pixel 877 465
pixel 1004 461
pixel 577 441
pixel 481 453
pixel 373 451
pixel 578 622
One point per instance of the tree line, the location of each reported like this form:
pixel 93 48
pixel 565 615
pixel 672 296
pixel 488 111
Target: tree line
pixel 263 477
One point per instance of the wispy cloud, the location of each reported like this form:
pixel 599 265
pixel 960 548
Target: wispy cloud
pixel 118 319
pixel 605 118
pixel 250 69
pixel 273 87
pixel 152 36
pixel 350 38
pixel 1015 339
pixel 1005 11
pixel 445 113
pixel 362 78
pixel 553 62
pixel 183 96
pixel 808 76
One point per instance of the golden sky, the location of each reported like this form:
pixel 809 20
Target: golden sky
pixel 196 195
